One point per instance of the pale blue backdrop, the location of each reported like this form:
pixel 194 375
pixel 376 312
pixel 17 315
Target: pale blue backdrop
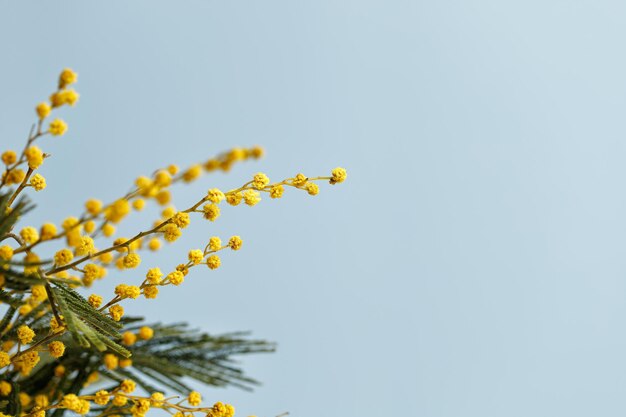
pixel 473 264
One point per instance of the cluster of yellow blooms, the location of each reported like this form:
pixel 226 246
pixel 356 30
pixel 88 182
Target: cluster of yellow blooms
pixel 124 401
pixel 80 262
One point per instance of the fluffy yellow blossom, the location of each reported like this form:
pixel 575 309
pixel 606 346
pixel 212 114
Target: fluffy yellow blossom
pixel 42 400
pixel 118 242
pixel 211 165
pixel 213 261
pixel 136 244
pixel 93 206
pixel 182 268
pixel 25 309
pixel 168 212
pixel 89 226
pixel 162 178
pixel 38 182
pixel 338 175
pixel 194 399
pixel 181 219
pixel 299 180
pixel 132 291
pixel 220 409
pixel 108 230
pixel 54 325
pixel 117 211
pixel 195 256
pixel 57 127
pixel 26 362
pixel 102 397
pixel 211 211
pixel 128 386
pixel 48 231
pixel 154 275
pixel 95 300
pixel 56 99
pixel 67 77
pixel 237 154
pixel 34 156
pixel 70 223
pixel 5 388
pixel 215 195
pixel 110 361
pixel 140 407
pixel 69 96
pixel 132 260
pixel 176 277
pixel 171 232
pixel 9 157
pixel 119 400
pixel 56 348
pixel 163 197
pixel 156 399
pixel 63 257
pixel 59 370
pixel 260 180
pixel 15 176
pixel 129 338
pixel 116 312
pixel 151 291
pixel 29 234
pixel 106 258
pixel 120 289
pixel 312 188
pixel 251 197
pixel 24 398
pixel 86 246
pixel 25 334
pixel 139 204
pixel 84 407
pixel 234 199
pixel 215 243
pixel 235 242
pixel 38 292
pixel 73 237
pixel 43 110
pixel 62 97
pixel 5 359
pixel 71 402
pixel 154 244
pixel 125 363
pixel 257 152
pixel 145 333
pixel 277 191
pixel 93 271
pixel 6 252
pixel 192 173
pixel 143 182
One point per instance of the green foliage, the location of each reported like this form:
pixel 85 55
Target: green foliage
pixel 176 352
pixel 89 327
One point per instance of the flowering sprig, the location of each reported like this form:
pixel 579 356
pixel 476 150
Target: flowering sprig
pixel 120 401
pixel 55 342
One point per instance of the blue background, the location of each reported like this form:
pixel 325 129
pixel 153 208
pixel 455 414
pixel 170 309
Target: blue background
pixel 472 265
